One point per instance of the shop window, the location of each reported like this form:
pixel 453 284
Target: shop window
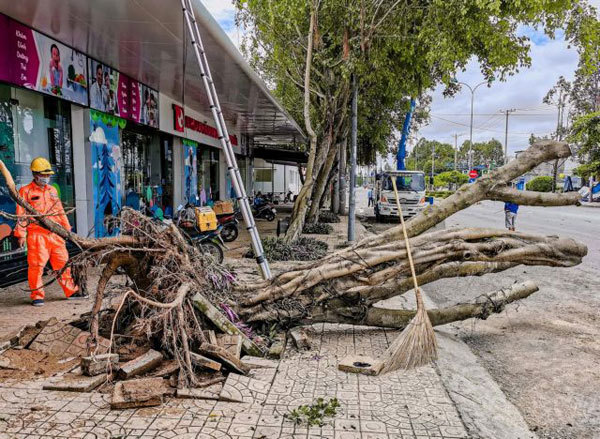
pixel 263 175
pixel 208 175
pixel 142 170
pixel 33 125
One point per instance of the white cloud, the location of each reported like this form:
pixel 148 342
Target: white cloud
pixel 224 12
pixel 524 91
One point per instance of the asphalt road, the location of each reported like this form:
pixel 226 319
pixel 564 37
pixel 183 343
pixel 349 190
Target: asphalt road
pixel 545 350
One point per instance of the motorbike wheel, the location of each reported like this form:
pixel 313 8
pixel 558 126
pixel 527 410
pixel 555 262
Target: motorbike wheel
pixel 229 233
pixel 213 250
pixel 269 216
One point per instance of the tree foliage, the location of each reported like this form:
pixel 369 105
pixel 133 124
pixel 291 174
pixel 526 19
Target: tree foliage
pixel 450 179
pixel 425 150
pixel 542 183
pixel 489 154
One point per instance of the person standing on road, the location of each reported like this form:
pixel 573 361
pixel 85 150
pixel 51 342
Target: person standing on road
pixel 371 199
pixel 510 215
pixel 43 245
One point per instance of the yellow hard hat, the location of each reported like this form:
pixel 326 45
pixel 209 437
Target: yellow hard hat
pixel 41 166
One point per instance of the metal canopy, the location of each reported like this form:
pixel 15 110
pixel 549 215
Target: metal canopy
pixel 145 39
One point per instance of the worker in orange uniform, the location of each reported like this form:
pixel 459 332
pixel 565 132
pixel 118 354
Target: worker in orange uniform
pixel 43 245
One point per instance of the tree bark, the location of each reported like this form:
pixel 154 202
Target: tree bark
pixel 301 204
pixel 321 184
pixel 343 183
pixel 335 201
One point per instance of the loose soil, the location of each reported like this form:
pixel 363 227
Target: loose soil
pixel 25 364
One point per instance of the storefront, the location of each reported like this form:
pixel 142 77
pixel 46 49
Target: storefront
pixel 113 140
pixel 33 125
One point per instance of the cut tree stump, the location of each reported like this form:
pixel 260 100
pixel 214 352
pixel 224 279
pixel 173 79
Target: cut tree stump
pixel 221 355
pixel 143 364
pixel 96 365
pixel 145 392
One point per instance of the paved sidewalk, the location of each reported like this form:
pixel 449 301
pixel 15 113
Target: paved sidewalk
pixel 401 405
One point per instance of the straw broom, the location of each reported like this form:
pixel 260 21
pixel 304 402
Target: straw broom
pixel 416 345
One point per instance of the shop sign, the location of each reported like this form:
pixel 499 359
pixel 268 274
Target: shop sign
pixel 113 92
pixel 37 62
pixel 196 125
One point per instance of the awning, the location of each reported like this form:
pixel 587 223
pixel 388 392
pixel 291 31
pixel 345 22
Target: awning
pixel 145 38
pixel 281 156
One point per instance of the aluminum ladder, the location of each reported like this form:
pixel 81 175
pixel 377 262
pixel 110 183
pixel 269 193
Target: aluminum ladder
pixel 223 134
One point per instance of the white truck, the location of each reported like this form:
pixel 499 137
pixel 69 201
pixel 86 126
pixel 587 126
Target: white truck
pixel 411 192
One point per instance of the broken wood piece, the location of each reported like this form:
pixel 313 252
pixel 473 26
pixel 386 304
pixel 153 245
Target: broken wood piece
pixel 231 343
pixel 221 355
pixel 210 392
pixel 144 392
pixel 97 364
pixel 206 363
pixel 215 316
pixel 212 337
pixel 259 362
pixel 140 365
pixel 360 364
pixel 301 338
pixel 75 383
pixel 166 369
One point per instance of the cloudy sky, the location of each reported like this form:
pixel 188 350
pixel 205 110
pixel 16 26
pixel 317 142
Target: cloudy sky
pixel 522 92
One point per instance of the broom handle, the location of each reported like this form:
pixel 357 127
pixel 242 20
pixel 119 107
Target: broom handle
pixel 410 259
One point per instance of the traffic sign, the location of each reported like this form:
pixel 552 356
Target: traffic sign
pixel 473 174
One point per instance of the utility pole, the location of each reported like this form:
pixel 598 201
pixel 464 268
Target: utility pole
pixel 512 110
pixel 455 151
pixel 352 202
pixel 561 108
pixel 432 162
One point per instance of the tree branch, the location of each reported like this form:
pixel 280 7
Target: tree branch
pixel 531 198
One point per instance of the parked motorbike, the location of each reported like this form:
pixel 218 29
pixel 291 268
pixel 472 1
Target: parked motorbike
pixel 230 223
pixel 209 242
pixel 289 197
pixel 264 210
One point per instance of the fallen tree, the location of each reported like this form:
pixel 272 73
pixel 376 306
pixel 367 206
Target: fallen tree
pixel 177 292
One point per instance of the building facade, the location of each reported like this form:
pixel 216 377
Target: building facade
pixel 116 133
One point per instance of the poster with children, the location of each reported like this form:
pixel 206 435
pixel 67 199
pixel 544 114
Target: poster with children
pixel 43 64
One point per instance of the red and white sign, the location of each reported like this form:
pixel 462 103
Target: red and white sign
pixel 473 174
pixel 179 118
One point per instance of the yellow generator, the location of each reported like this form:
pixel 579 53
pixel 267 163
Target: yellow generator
pixel 206 219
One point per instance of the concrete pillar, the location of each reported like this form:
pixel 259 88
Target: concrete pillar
pixel 82 169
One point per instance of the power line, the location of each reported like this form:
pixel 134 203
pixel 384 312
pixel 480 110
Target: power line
pixel 482 129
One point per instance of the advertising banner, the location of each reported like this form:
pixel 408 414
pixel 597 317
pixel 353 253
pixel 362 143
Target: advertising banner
pixel 190 172
pixel 149 114
pixel 104 89
pixel 40 63
pixel 4 70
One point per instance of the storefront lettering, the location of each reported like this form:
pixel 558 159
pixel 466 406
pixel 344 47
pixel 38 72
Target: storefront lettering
pixel 196 125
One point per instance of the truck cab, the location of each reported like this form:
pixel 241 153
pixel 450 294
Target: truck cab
pixel 411 192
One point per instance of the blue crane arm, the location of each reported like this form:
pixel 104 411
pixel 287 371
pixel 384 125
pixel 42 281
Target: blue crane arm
pixel 401 156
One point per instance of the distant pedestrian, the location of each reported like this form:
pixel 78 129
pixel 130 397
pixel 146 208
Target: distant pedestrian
pixel 371 199
pixel 510 215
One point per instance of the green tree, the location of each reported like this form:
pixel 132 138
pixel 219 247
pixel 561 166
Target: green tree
pixel 450 179
pixel 421 156
pixel 540 184
pixel 484 153
pixel 309 49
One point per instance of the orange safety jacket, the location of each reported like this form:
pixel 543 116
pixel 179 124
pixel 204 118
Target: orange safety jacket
pixel 45 201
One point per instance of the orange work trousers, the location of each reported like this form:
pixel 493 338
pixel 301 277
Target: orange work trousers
pixel 42 247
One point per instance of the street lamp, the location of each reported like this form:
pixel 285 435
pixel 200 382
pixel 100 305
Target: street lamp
pixel 470 161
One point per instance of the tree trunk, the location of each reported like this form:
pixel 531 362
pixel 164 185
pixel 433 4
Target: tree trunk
pixel 301 204
pixel 321 184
